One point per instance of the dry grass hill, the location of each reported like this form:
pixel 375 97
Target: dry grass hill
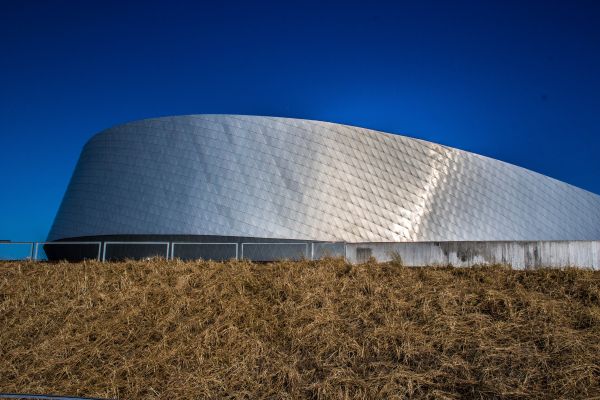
pixel 322 329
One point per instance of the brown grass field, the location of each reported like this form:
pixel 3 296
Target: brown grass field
pixel 313 329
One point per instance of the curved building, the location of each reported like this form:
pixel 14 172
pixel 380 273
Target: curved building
pixel 278 178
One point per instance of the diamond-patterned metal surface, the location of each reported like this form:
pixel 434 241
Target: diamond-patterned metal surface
pixel 298 179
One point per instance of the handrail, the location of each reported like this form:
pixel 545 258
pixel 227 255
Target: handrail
pixel 203 243
pixel 37 247
pixel 135 243
pixel 31 244
pixel 104 246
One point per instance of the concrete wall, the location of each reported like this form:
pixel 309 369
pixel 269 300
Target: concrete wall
pixel 520 255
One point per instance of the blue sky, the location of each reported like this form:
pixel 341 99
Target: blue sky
pixel 514 80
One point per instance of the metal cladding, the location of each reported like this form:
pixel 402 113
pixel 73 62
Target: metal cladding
pixel 286 178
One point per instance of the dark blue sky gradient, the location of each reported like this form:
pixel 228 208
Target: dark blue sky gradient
pixel 518 81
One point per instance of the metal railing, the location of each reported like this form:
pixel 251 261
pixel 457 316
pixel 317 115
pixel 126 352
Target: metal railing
pixel 220 251
pixel 264 256
pixel 4 245
pixel 50 244
pixel 167 244
pixel 199 244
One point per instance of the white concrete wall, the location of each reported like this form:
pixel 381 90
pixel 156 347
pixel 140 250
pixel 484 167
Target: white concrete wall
pixel 520 255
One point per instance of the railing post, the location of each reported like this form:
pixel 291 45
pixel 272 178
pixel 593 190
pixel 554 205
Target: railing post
pixel 346 251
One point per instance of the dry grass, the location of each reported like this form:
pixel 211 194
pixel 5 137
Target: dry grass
pixel 321 329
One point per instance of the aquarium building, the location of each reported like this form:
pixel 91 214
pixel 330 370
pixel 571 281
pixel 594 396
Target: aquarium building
pixel 243 179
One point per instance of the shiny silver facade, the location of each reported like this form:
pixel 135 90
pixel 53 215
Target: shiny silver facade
pixel 299 179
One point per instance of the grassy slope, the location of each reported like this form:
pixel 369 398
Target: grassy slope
pixel 307 329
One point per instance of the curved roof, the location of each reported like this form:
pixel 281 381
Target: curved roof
pixel 299 179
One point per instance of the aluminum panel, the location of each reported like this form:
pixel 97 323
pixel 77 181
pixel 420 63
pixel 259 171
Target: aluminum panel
pixel 297 179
